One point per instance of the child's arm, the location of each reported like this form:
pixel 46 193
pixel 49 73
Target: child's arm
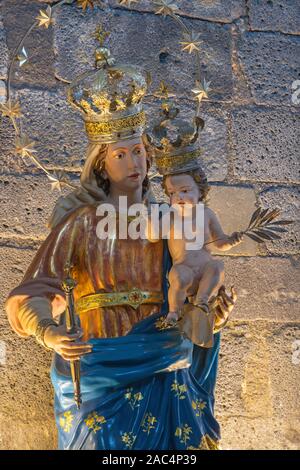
pixel 223 242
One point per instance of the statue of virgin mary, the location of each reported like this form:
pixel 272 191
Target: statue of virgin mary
pixel 144 385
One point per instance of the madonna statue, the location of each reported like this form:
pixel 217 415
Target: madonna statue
pixel 144 385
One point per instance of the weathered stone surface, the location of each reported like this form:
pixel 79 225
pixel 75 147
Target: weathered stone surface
pixel 14 263
pixel 26 392
pixel 266 287
pixel 149 41
pixel 213 10
pixel 234 206
pixel 262 385
pixel 271 64
pixel 30 435
pixel 287 199
pixel 17 18
pixel 266 144
pixel 239 433
pixel 3 52
pixel 27 203
pixel 275 15
pixel 55 127
pixel 2 92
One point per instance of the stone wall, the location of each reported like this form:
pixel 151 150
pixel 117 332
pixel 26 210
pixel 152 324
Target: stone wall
pixel 251 155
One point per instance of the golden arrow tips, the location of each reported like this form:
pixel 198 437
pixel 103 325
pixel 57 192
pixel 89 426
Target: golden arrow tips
pixel 127 3
pixel 22 57
pixel 25 146
pixel 166 7
pixel 201 90
pixel 84 4
pixel 191 42
pixel 45 18
pixel 11 110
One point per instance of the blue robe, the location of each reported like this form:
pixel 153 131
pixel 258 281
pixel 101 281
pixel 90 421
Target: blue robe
pixel 152 389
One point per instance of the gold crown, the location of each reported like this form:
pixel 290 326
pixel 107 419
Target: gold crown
pixel 174 140
pixel 110 99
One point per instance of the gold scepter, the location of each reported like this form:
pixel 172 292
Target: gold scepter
pixel 68 285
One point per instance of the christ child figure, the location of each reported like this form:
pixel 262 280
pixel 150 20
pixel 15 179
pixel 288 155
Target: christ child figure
pixel 195 273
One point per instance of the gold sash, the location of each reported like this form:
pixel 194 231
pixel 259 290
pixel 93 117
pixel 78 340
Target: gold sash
pixel 134 298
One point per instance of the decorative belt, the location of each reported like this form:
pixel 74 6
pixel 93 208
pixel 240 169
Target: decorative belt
pixel 134 298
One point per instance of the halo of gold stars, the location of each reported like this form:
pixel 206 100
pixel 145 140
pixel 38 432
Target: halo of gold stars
pixel 190 43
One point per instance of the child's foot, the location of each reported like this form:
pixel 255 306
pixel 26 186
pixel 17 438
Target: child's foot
pixel 172 318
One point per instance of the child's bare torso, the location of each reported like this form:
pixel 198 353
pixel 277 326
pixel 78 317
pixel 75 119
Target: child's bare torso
pixel 195 259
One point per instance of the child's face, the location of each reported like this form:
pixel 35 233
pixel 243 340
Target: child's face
pixel 182 189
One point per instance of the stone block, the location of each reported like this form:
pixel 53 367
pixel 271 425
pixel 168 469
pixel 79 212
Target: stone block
pixel 3 52
pixel 239 433
pixel 234 206
pixel 27 203
pixel 14 263
pixel 274 15
pixel 257 374
pixel 266 144
pixel 26 389
pixel 271 64
pixel 32 435
pixel 267 288
pixel 287 199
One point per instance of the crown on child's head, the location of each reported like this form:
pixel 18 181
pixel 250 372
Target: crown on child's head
pixel 174 140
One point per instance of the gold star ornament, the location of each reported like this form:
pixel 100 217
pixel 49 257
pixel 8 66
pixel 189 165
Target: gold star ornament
pixel 45 18
pixel 166 7
pixel 201 90
pixel 25 146
pixel 58 179
pixel 11 110
pixel 191 42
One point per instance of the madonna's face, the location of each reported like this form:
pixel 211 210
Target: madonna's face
pixel 126 164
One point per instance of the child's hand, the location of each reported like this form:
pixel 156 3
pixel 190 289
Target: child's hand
pixel 172 318
pixel 236 238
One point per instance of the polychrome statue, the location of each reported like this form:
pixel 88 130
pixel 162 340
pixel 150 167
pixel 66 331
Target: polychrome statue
pixel 128 354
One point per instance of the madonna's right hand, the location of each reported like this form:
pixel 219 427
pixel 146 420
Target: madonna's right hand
pixel 67 345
